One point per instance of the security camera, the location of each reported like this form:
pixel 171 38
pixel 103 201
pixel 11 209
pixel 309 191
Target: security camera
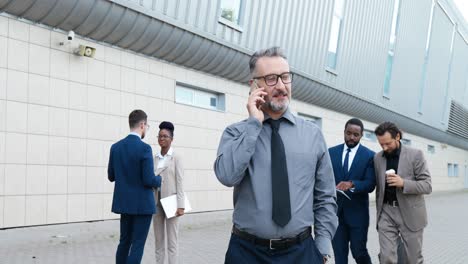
pixel 71 35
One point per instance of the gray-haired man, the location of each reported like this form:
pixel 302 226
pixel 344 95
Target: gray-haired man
pixel 280 168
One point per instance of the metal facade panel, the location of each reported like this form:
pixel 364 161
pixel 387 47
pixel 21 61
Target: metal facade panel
pixel 437 69
pixel 465 96
pixel 363 52
pixel 409 57
pixel 459 73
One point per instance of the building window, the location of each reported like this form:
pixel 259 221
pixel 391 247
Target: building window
pixel 391 49
pixel 452 169
pixel 231 11
pixel 405 142
pixel 431 149
pixel 186 94
pixel 369 135
pixel 313 119
pixel 335 34
pixel 422 84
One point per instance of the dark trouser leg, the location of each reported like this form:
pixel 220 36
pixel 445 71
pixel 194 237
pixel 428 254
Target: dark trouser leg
pixel 141 225
pixel 340 244
pixel 125 239
pixel 358 239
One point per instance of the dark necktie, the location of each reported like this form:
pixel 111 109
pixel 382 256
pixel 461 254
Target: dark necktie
pixel 279 177
pixel 346 165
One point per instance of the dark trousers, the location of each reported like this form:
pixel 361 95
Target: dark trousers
pixel 351 237
pixel 133 232
pixel 246 252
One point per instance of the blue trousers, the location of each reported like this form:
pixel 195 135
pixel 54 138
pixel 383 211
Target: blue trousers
pixel 133 232
pixel 351 237
pixel 246 252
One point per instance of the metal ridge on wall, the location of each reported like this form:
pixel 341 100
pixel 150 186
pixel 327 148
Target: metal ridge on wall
pixel 132 29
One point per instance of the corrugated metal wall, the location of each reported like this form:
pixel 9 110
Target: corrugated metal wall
pixel 459 74
pixel 302 28
pixel 437 69
pixel 409 58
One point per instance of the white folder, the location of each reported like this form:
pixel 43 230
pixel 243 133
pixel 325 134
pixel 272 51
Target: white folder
pixel 169 205
pixel 343 193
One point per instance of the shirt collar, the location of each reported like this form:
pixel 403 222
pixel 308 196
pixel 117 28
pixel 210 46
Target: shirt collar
pixel 352 149
pixel 286 115
pixel 135 134
pixel 169 153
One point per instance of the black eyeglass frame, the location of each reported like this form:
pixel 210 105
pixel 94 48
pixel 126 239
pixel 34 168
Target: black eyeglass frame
pixel 291 75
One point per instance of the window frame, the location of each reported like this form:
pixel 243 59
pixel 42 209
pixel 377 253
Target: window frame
pixel 449 170
pixel 310 118
pixel 333 68
pixel 236 26
pixel 431 149
pixel 406 142
pixel 220 97
pixel 391 49
pixel 372 138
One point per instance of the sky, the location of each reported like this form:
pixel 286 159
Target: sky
pixel 463 7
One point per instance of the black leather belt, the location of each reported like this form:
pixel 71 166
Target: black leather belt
pixel 392 203
pixel 273 244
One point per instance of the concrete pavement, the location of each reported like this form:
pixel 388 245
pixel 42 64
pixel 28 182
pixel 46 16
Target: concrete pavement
pixel 204 238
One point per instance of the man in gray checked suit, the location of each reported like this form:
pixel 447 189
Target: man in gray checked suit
pixel 401 209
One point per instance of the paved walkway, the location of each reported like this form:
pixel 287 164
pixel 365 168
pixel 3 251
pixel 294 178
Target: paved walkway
pixel 204 238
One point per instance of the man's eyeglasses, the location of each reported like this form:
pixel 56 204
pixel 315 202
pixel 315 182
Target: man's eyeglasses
pixel 272 79
pixel 164 137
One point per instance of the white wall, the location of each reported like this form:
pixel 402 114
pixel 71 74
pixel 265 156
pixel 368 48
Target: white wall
pixel 60 113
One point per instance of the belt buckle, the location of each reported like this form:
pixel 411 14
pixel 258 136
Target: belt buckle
pixel 271 242
pixel 394 203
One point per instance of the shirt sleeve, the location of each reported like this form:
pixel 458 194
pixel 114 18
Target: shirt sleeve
pixel 325 208
pixel 367 185
pixel 235 151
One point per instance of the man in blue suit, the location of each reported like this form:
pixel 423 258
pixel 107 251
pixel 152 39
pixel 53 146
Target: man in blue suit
pixel 355 178
pixel 131 167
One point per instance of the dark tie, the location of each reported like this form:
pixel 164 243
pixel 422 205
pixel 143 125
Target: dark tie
pixel 346 165
pixel 279 177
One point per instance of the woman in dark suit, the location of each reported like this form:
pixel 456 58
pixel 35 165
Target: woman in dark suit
pixel 168 164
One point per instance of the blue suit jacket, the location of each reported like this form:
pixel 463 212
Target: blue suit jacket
pixel 355 212
pixel 131 167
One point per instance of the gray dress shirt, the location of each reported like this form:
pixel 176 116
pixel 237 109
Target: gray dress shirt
pixel 244 161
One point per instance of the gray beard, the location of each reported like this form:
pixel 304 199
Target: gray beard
pixel 278 107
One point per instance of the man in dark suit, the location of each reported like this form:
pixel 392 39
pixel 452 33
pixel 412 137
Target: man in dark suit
pixel 355 179
pixel 131 167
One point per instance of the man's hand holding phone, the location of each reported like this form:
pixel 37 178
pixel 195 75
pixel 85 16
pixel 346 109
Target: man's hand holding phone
pixel 255 102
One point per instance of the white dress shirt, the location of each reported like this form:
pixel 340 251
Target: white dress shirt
pixel 135 134
pixel 352 154
pixel 162 159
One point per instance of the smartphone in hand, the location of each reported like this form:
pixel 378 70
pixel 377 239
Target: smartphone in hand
pixel 259 105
